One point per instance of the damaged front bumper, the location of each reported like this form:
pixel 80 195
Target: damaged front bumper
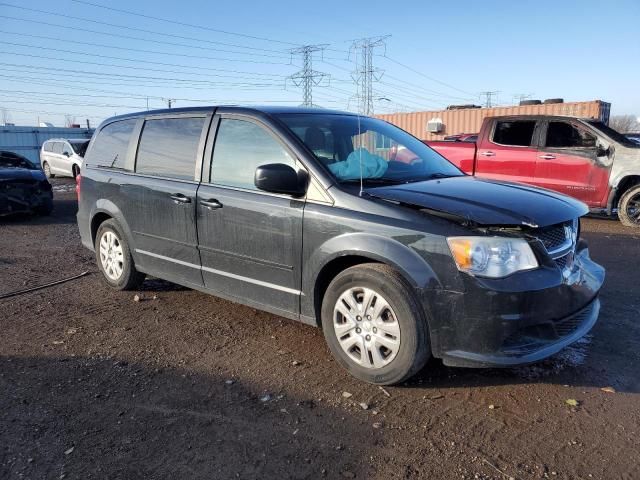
pixel 516 320
pixel 24 197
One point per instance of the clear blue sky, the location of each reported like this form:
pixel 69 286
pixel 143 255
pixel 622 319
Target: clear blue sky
pixel 52 65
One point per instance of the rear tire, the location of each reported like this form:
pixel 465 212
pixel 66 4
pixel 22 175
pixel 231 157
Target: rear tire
pixel 629 207
pixel 382 337
pixel 75 171
pixel 114 259
pixel 47 170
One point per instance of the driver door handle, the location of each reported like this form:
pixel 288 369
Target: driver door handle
pixel 547 156
pixel 179 198
pixel 488 153
pixel 211 203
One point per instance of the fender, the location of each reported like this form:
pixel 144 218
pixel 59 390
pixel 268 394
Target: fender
pixel 377 248
pixel 107 206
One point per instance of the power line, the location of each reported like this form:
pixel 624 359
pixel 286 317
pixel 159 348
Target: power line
pixel 426 76
pixel 184 24
pixel 114 25
pixel 365 73
pixel 77 28
pixel 199 57
pixel 307 77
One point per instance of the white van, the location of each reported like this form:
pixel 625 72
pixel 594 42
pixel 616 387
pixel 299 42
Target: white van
pixel 64 157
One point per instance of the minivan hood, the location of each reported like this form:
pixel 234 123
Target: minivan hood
pixel 485 202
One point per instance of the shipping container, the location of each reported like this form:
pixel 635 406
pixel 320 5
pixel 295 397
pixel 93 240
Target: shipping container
pixel 26 141
pixel 469 120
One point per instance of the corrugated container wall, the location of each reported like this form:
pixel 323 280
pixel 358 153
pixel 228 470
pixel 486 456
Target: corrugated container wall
pixel 469 120
pixel 26 141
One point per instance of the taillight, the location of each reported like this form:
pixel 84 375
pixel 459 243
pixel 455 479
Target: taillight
pixel 78 182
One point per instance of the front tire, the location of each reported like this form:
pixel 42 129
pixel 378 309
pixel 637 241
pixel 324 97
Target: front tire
pixel 374 325
pixel 114 259
pixel 629 207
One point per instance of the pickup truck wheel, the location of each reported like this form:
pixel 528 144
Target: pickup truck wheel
pixel 114 258
pixel 629 207
pixel 374 325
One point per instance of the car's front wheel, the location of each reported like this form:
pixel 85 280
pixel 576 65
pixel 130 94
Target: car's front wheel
pixel 629 207
pixel 114 258
pixel 374 326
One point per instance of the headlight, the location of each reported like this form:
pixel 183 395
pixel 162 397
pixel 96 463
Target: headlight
pixel 493 257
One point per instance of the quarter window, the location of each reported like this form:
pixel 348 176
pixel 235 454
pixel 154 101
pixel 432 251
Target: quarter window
pixel 241 147
pixel 109 148
pixel 516 133
pixel 565 135
pixel 169 146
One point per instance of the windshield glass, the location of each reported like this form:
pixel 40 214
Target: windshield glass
pixel 349 146
pixel 10 160
pixel 613 134
pixel 80 147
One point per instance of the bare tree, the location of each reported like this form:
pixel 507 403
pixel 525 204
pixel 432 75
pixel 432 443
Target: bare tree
pixel 625 123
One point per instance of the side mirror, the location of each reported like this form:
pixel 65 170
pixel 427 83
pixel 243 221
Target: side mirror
pixel 601 151
pixel 280 178
pixel 66 154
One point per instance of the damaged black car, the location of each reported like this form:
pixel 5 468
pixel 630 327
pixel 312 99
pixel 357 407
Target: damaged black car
pixel 344 222
pixel 23 187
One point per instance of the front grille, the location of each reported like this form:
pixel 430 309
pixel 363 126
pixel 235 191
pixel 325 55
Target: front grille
pixel 562 262
pixel 553 237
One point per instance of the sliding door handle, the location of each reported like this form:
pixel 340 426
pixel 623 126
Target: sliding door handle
pixel 547 156
pixel 488 153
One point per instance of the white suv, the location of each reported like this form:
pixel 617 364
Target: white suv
pixel 64 157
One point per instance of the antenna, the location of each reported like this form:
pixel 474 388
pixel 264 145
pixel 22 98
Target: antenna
pixel 307 77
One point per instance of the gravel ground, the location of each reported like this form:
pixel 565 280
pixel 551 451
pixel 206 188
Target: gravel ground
pixel 180 384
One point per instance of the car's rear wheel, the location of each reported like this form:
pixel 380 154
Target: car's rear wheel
pixel 629 207
pixel 47 170
pixel 114 258
pixel 75 171
pixel 374 326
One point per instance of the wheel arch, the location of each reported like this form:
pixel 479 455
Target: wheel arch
pixel 350 250
pixel 105 210
pixel 624 185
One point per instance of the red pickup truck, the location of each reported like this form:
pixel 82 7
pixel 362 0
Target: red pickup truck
pixel 578 157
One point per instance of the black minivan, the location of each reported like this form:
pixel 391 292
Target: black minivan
pixel 341 221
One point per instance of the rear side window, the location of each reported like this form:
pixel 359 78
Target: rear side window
pixel 565 135
pixel 110 146
pixel 517 133
pixel 169 146
pixel 241 147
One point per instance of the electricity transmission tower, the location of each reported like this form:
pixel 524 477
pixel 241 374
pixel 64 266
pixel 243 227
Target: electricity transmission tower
pixel 519 97
pixel 307 78
pixel 488 103
pixel 365 73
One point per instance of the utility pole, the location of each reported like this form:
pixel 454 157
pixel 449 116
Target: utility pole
pixel 365 73
pixel 307 78
pixel 168 100
pixel 519 97
pixel 489 97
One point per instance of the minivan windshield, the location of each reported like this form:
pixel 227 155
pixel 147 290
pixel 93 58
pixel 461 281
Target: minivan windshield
pixel 349 147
